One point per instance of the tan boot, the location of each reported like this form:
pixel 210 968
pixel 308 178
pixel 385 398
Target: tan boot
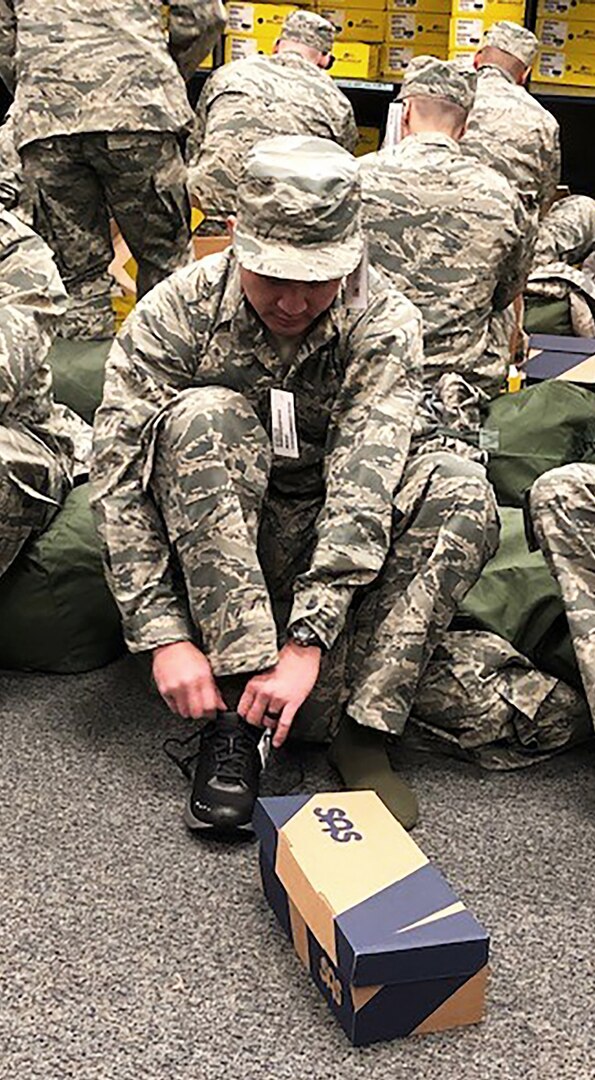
pixel 359 756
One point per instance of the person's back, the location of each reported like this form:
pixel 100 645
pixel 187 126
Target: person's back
pixel 448 235
pixel 507 127
pixel 103 65
pixel 251 99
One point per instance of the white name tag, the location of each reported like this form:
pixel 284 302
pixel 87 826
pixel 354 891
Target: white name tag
pixel 285 440
pixel 393 125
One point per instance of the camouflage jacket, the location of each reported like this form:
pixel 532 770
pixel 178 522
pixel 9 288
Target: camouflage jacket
pixel 356 385
pixel 32 297
pixel 450 236
pixel 509 130
pixel 252 99
pixel 567 233
pixel 102 65
pixel 11 173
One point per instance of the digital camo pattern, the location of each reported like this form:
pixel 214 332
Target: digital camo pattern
pixel 426 76
pixel 355 380
pixel 298 210
pixel 567 232
pixel 512 38
pixel 11 174
pixel 508 129
pixel 560 281
pixel 253 99
pixel 449 234
pixel 310 29
pixel 481 700
pixel 562 506
pixel 36 436
pixel 104 65
pixel 75 183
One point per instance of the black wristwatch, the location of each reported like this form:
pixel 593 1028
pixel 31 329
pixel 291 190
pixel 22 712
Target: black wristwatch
pixel 303 635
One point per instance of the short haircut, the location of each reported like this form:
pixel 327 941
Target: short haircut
pixel 492 55
pixel 439 109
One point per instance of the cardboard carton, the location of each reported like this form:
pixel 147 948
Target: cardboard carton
pixel 579 10
pixel 418 28
pixel 576 37
pixel 385 938
pixel 237 46
pixel 395 59
pixel 564 67
pixel 431 6
pixel 355 23
pixel 251 19
pixel 355 60
pixel 570 359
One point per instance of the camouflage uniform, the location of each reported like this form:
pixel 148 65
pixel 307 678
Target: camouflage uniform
pixel 254 98
pixel 99 107
pixel 449 235
pixel 11 173
pixel 37 437
pixel 508 129
pixel 208 534
pixel 562 508
pixel 564 263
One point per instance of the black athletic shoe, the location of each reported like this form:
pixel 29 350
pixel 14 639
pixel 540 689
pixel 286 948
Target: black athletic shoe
pixel 227 775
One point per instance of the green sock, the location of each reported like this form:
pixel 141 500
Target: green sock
pixel 359 756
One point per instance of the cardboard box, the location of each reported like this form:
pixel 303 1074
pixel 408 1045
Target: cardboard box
pixel 370 5
pixel 237 46
pixel 395 59
pixel 252 19
pixel 570 359
pixel 436 6
pixel 368 140
pixel 355 60
pixel 577 38
pixel 490 10
pixel 425 27
pixel 565 68
pixel 581 10
pixel 355 23
pixel 385 938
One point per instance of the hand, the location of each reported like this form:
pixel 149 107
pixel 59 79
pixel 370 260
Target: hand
pixel 282 690
pixel 184 679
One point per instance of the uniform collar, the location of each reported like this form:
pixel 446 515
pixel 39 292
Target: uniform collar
pixel 499 71
pixel 433 138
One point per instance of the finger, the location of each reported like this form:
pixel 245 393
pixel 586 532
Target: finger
pixel 221 704
pixel 258 708
pixel 182 703
pixel 273 712
pixel 196 706
pixel 210 697
pixel 284 725
pixel 246 700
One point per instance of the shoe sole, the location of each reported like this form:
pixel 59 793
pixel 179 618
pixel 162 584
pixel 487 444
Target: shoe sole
pixel 196 825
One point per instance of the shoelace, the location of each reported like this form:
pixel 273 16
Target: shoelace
pixel 231 753
pixel 173 748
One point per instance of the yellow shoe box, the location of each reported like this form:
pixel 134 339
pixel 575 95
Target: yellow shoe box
pixel 355 23
pixel 465 34
pixel 368 140
pixel 369 5
pixel 556 66
pixel 237 46
pixel 355 60
pixel 416 28
pixel 395 59
pixel 436 6
pixel 579 10
pixel 490 11
pixel 561 34
pixel 387 941
pixel 251 19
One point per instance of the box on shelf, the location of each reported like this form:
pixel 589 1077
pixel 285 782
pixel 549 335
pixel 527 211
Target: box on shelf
pixel 386 940
pixel 251 19
pixel 576 38
pixel 370 5
pixel 429 27
pixel 564 68
pixel 438 6
pixel 355 60
pixel 237 46
pixel 368 140
pixel 355 23
pixel 490 10
pixel 581 10
pixel 395 59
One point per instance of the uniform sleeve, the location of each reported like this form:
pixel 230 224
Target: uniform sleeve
pixel 367 449
pixel 198 132
pixel 194 27
pixel 7 44
pixel 349 133
pixel 521 233
pixel 567 233
pixel 32 297
pixel 151 361
pixel 552 168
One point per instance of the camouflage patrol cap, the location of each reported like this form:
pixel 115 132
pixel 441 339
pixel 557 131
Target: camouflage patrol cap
pixel 310 29
pixel 427 76
pixel 298 210
pixel 512 38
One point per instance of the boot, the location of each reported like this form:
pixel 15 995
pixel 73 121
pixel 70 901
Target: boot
pixel 359 755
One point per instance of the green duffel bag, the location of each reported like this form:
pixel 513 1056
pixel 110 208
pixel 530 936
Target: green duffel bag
pixel 545 316
pixel 78 369
pixel 517 598
pixel 58 614
pixel 541 428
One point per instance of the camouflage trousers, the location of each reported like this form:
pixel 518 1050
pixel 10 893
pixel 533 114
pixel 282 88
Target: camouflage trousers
pixel 562 508
pixel 33 485
pixel 75 182
pixel 241 546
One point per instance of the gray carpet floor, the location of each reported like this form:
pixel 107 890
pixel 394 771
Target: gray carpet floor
pixel 130 949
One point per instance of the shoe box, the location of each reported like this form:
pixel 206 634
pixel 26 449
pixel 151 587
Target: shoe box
pixel 388 943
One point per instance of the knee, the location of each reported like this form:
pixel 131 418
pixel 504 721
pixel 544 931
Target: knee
pixel 210 416
pixel 469 497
